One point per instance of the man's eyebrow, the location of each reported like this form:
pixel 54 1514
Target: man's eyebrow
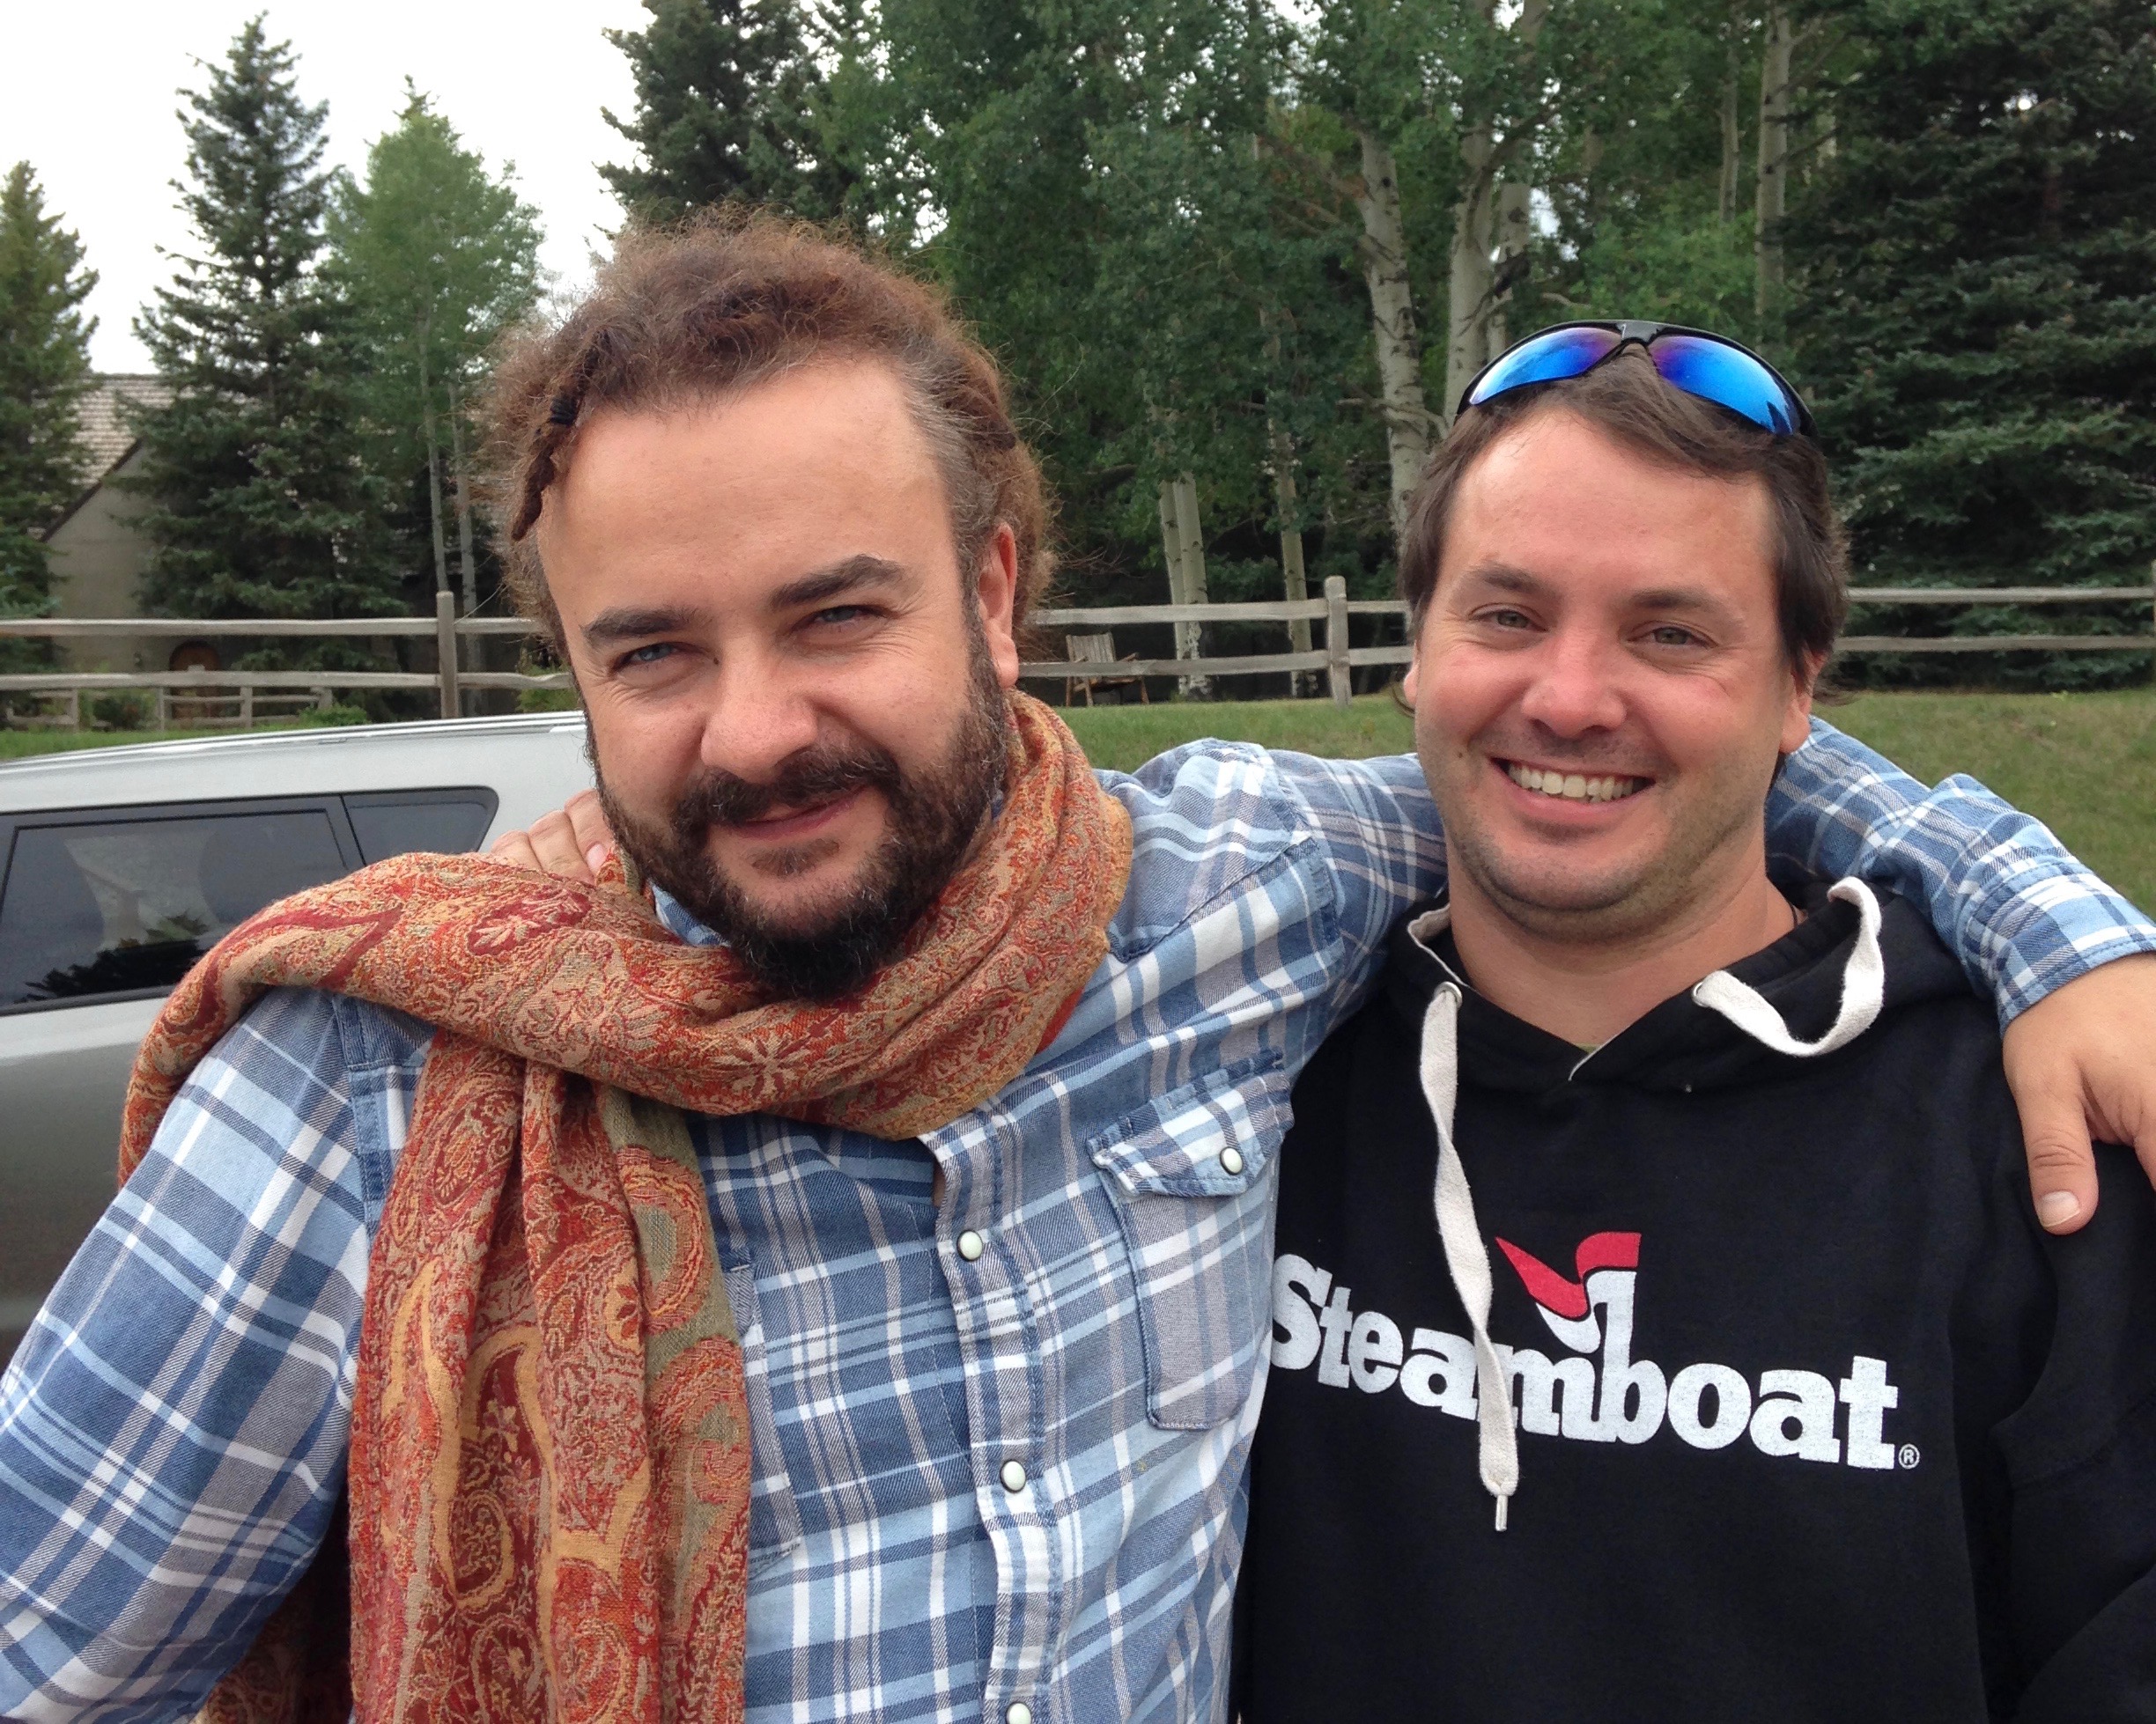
pixel 1505 578
pixel 1680 598
pixel 625 622
pixel 841 578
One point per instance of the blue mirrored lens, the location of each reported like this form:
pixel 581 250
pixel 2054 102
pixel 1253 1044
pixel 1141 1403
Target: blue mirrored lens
pixel 1725 376
pixel 1548 358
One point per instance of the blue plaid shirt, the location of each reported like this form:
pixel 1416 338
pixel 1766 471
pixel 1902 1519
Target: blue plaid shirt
pixel 999 1440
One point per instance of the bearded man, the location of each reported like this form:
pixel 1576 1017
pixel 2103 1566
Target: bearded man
pixel 825 1273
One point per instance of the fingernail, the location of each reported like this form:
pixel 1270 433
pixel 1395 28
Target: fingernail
pixel 595 857
pixel 2055 1209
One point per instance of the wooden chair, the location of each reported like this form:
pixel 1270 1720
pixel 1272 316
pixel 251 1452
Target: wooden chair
pixel 1098 650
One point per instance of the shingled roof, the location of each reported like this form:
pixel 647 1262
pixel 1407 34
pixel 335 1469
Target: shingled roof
pixel 105 435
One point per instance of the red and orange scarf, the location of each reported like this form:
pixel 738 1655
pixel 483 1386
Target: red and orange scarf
pixel 549 1472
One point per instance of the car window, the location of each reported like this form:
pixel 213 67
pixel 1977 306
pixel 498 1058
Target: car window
pixel 115 907
pixel 447 820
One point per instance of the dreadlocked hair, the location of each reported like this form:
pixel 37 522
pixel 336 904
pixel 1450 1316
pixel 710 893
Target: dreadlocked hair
pixel 720 304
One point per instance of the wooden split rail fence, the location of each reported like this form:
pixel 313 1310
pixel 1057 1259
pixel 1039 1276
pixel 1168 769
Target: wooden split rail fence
pixel 1338 657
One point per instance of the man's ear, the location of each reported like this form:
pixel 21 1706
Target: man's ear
pixel 995 589
pixel 1796 717
pixel 1412 680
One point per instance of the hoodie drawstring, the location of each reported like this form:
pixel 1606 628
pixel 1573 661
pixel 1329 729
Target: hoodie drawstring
pixel 1863 988
pixel 1466 1258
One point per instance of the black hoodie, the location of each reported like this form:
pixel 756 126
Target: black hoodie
pixel 1815 1421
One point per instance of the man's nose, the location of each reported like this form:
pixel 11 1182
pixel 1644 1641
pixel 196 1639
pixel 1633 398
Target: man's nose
pixel 1575 686
pixel 760 719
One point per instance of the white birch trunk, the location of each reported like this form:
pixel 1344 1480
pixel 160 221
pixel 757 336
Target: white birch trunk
pixel 1392 323
pixel 1473 277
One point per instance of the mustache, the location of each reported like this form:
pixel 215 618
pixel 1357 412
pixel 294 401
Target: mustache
pixel 717 798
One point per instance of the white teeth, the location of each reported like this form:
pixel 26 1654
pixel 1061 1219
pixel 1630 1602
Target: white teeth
pixel 1574 786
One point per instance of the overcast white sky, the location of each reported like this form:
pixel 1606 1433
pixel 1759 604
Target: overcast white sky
pixel 92 94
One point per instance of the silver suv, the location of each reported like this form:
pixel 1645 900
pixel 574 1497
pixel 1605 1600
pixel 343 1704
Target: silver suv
pixel 119 867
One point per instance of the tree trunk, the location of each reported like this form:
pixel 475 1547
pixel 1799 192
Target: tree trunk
pixel 1295 581
pixel 1194 588
pixel 1491 228
pixel 1515 202
pixel 1473 277
pixel 433 453
pixel 467 567
pixel 1774 125
pixel 1393 322
pixel 1732 132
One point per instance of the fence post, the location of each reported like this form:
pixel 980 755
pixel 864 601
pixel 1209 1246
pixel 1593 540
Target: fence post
pixel 1336 640
pixel 445 651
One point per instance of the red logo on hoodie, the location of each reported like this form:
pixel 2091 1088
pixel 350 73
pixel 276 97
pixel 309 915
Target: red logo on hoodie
pixel 1565 1304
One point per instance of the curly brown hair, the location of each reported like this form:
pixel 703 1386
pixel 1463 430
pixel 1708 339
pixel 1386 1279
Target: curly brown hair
pixel 721 303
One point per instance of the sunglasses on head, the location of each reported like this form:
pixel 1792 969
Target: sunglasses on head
pixel 1710 366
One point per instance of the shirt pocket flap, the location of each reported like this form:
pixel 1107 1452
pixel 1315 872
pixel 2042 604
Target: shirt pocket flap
pixel 1212 1139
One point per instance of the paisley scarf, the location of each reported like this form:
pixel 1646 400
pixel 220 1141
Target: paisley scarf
pixel 549 1472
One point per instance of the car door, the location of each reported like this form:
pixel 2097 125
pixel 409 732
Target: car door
pixel 102 911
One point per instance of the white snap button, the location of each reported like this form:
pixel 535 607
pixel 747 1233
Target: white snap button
pixel 1231 1159
pixel 970 1245
pixel 1013 1477
pixel 1018 1712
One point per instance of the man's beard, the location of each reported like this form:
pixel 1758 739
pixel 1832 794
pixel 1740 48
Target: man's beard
pixel 935 815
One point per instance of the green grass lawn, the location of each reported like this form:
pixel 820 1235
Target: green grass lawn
pixel 2086 765
pixel 14 744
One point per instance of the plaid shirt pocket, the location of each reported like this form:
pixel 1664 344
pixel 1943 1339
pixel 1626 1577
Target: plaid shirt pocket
pixel 1191 1176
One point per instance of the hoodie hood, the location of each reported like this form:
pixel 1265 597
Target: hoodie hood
pixel 1807 996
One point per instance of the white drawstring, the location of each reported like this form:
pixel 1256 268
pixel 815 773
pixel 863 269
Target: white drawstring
pixel 1863 988
pixel 1466 1258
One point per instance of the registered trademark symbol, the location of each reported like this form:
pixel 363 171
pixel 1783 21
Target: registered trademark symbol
pixel 1908 1457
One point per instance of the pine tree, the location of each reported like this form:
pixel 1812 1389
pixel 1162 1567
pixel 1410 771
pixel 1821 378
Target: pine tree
pixel 258 501
pixel 1976 311
pixel 729 100
pixel 437 257
pixel 44 374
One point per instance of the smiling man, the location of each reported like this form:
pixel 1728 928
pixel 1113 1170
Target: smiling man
pixel 835 1283
pixel 1798 1413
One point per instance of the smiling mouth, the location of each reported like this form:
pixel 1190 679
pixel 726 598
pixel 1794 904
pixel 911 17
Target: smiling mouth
pixel 1575 787
pixel 789 822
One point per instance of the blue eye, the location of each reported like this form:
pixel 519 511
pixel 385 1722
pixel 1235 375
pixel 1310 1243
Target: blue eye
pixel 649 655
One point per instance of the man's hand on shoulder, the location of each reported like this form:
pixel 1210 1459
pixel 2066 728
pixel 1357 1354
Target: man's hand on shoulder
pixel 2081 1068
pixel 573 841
